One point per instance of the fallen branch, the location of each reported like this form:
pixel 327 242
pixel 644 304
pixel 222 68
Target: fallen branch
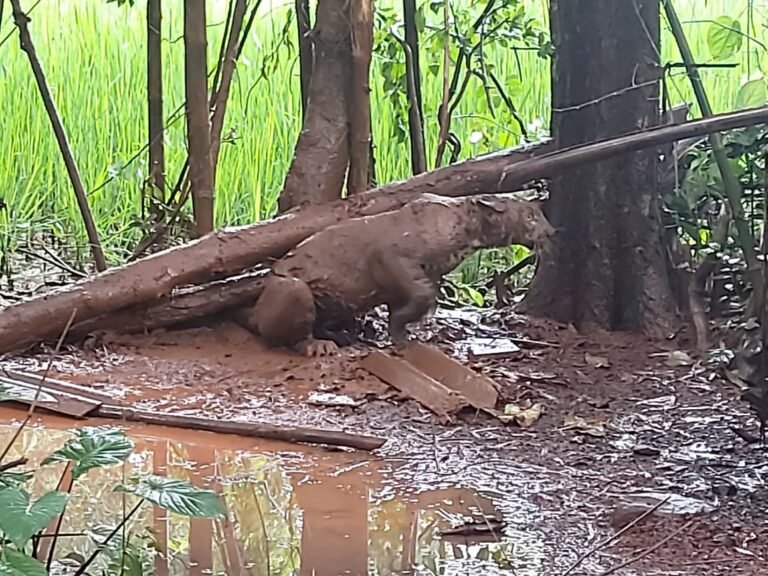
pixel 250 429
pixel 230 251
pixel 183 305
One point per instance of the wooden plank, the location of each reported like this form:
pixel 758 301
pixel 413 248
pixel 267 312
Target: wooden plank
pixel 46 398
pixel 479 390
pixel 54 384
pixel 411 381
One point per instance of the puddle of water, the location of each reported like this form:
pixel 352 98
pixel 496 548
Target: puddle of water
pixel 291 511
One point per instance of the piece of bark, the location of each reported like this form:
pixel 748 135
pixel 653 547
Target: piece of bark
pixel 412 382
pixel 479 390
pixel 226 252
pixel 292 434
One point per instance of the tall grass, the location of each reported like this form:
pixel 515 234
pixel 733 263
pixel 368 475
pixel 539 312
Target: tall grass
pixel 94 57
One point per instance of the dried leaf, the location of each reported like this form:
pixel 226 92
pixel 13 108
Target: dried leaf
pixel 675 358
pixel 589 426
pixel 596 361
pixel 523 417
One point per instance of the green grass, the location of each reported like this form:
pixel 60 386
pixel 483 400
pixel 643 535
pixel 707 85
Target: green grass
pixel 94 56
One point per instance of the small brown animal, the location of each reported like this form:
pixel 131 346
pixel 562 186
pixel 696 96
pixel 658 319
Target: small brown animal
pixel 395 258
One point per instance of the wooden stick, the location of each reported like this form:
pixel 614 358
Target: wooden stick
pixel 252 429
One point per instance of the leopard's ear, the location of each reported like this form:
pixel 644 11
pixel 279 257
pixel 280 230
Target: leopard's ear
pixel 490 201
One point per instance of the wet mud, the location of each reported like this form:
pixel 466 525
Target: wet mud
pixel 621 424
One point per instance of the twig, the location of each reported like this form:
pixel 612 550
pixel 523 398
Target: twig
pixel 415 121
pixel 648 551
pixel 13 463
pixel 25 39
pixel 444 114
pixel 227 67
pixel 614 537
pixel 95 553
pixel 63 266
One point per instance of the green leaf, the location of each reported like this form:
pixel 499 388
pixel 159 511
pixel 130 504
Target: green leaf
pixel 20 519
pixel 177 496
pixel 93 447
pixel 724 37
pixel 475 296
pixel 14 479
pixel 15 563
pixel 751 94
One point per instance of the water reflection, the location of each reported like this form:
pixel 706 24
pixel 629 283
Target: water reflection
pixel 291 512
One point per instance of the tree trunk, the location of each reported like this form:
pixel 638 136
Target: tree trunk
pixel 320 162
pixel 413 83
pixel 607 269
pixel 198 126
pixel 361 17
pixel 306 56
pixel 155 100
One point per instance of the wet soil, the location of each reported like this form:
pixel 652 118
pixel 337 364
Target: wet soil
pixel 620 417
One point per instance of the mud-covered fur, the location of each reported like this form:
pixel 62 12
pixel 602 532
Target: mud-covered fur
pixel 395 258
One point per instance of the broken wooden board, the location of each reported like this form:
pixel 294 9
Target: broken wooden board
pixel 30 391
pixel 61 385
pixel 479 390
pixel 405 377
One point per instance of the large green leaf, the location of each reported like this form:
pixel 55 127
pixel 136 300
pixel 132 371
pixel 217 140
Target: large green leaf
pixel 20 519
pixel 93 447
pixel 724 37
pixel 751 94
pixel 177 496
pixel 15 563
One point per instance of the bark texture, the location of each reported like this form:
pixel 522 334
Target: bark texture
pixel 361 16
pixel 608 267
pixel 319 165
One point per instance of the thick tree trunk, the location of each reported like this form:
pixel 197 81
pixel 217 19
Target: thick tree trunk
pixel 320 162
pixel 198 126
pixel 608 268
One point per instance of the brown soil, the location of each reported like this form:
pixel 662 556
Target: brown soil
pixel 636 425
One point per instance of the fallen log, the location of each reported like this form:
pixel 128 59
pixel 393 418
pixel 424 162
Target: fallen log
pixel 182 305
pixel 292 434
pixel 226 252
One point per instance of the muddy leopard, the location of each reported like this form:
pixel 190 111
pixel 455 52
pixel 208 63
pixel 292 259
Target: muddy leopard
pixel 395 258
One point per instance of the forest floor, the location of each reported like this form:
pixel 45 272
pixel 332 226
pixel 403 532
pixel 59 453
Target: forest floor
pixel 625 424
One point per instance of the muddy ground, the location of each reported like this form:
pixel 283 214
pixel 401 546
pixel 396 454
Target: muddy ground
pixel 620 416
